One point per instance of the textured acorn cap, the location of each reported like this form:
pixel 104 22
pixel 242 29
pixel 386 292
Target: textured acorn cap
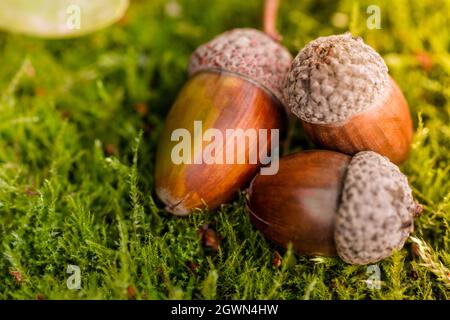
pixel 375 216
pixel 247 52
pixel 334 78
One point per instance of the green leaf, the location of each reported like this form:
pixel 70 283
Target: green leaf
pixel 59 18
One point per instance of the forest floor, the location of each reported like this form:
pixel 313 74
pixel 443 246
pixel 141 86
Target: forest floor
pixel 80 121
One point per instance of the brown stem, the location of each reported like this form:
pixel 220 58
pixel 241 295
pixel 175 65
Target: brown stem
pixel 270 19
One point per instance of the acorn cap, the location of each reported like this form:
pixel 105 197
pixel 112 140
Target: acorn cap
pixel 376 212
pixel 334 78
pixel 247 52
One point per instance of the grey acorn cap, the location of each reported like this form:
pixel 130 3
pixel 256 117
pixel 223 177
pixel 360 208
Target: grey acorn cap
pixel 249 53
pixel 334 78
pixel 376 212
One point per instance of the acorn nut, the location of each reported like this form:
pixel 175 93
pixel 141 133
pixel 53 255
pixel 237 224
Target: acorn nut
pixel 328 203
pixel 235 83
pixel 340 89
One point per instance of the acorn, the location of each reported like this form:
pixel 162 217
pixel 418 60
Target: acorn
pixel 235 83
pixel 328 203
pixel 341 91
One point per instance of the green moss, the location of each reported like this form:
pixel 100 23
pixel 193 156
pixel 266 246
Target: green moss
pixel 76 160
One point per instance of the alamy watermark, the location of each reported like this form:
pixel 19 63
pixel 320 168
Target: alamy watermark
pixel 374 20
pixel 374 280
pixel 73 21
pixel 74 281
pixel 233 146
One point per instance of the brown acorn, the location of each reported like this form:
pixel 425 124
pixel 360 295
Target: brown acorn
pixel 328 203
pixel 340 89
pixel 235 83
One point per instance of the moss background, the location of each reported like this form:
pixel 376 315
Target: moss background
pixel 79 121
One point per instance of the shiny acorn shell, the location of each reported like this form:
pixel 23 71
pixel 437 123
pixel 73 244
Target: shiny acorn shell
pixel 386 129
pixel 221 101
pixel 298 205
pixel 328 203
pixel 235 83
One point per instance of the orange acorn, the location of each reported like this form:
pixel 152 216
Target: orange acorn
pixel 341 91
pixel 328 203
pixel 235 84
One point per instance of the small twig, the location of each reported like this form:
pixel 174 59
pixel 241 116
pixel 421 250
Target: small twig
pixel 431 261
pixel 270 19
